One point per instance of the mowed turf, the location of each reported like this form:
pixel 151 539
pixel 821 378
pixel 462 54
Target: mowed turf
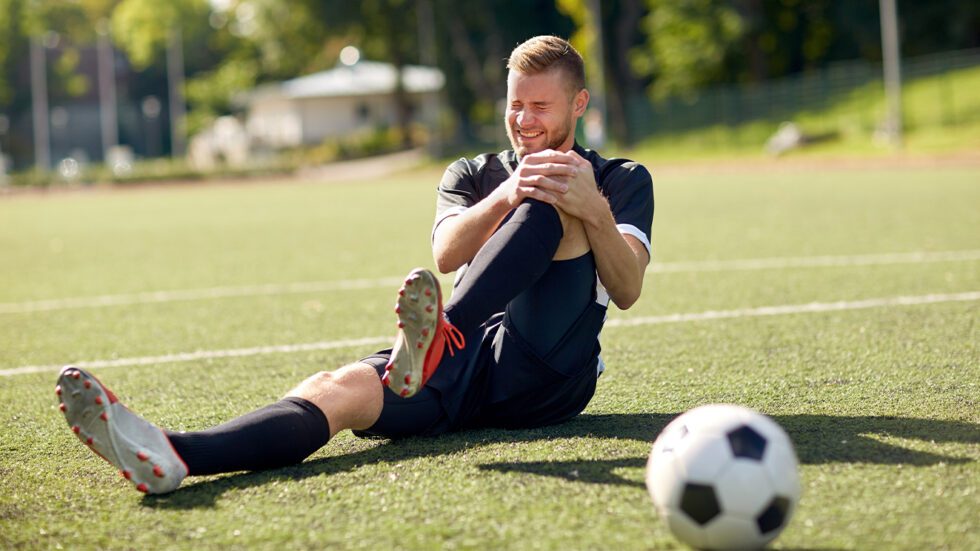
pixel 882 403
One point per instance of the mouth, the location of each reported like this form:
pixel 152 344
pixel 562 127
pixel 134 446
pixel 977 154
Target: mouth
pixel 529 135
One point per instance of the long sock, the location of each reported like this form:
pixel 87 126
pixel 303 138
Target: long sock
pixel 280 434
pixel 514 257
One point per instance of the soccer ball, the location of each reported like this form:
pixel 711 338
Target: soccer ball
pixel 724 477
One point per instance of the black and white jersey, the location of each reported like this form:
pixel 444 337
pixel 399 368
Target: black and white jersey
pixel 627 186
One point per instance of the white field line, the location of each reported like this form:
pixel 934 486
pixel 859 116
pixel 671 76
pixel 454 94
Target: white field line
pixel 810 308
pixel 273 289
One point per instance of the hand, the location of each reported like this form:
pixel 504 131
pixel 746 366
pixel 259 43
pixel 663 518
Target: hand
pixel 540 176
pixel 582 198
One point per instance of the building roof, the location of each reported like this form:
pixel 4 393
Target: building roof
pixel 360 79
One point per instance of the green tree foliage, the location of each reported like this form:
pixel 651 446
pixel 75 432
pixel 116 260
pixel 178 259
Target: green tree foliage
pixel 687 43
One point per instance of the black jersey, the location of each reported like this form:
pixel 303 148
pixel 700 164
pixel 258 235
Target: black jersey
pixel 625 184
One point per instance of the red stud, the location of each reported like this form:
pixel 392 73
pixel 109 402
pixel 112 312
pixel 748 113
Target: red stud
pixel 76 375
pixel 57 390
pixel 428 292
pixel 428 308
pixel 157 471
pixel 89 440
pixel 398 309
pixel 401 292
pixel 408 281
pixel 403 393
pixel 419 345
pixel 408 379
pixel 88 384
pixel 385 380
pixel 142 456
pixel 75 429
pixel 63 407
pixel 142 487
pixel 104 416
pixel 126 474
pixel 425 332
pixel 98 400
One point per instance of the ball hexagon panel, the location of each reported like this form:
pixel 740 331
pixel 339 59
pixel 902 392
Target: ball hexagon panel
pixel 781 467
pixel 664 480
pixel 743 488
pixel 732 532
pixel 701 456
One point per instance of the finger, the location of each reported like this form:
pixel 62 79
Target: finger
pixel 544 182
pixel 547 156
pixel 539 194
pixel 550 169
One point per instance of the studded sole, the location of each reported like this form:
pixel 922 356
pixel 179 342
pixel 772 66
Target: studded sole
pixel 418 311
pixel 140 451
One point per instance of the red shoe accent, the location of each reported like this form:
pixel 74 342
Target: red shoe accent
pixel 419 345
pixel 408 282
pixel 76 375
pixel 157 471
pixel 401 292
pixel 404 392
pixel 98 400
pixel 401 325
pixel 88 384
pixel 126 474
pixel 386 380
pixel 447 337
pixel 63 407
pixel 142 487
pixel 428 292
pixel 76 429
pixel 57 390
pixel 104 416
pixel 425 332
pixel 398 309
pixel 428 308
pixel 142 456
pixel 408 379
pixel 89 440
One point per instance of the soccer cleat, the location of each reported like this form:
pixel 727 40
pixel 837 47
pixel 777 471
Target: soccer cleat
pixel 423 335
pixel 139 449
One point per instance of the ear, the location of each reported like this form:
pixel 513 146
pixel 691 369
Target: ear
pixel 580 102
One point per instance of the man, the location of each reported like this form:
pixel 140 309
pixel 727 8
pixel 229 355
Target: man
pixel 541 236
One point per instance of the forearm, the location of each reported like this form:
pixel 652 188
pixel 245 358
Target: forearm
pixel 458 238
pixel 620 260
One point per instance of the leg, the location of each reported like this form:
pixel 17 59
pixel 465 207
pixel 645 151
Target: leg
pixel 281 434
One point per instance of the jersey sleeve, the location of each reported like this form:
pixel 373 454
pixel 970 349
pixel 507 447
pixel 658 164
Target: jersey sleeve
pixel 456 192
pixel 630 198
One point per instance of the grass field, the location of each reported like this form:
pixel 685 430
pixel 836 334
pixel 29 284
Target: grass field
pixel 882 399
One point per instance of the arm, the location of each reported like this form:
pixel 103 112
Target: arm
pixel 621 260
pixel 457 239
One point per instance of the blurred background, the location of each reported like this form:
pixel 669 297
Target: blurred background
pixel 127 90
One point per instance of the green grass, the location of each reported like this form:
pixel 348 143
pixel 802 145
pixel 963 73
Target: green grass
pixel 940 117
pixel 881 403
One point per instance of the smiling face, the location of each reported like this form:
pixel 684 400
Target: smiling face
pixel 542 111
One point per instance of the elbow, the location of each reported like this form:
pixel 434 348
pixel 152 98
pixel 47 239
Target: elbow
pixel 443 261
pixel 625 299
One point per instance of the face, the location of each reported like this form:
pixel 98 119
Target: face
pixel 541 114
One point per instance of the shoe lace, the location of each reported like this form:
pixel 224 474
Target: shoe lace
pixel 453 337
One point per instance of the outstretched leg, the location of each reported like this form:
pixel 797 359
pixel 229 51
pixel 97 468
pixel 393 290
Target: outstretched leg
pixel 281 434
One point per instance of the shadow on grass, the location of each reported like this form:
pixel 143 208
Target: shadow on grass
pixel 819 439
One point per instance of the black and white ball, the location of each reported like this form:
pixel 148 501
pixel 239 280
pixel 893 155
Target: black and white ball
pixel 724 477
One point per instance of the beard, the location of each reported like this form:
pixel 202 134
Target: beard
pixel 557 139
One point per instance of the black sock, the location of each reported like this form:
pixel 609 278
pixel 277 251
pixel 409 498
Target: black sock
pixel 514 257
pixel 280 434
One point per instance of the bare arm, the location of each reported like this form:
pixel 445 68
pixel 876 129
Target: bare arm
pixel 458 238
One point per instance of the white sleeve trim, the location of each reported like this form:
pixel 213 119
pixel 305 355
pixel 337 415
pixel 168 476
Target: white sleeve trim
pixel 450 212
pixel 629 229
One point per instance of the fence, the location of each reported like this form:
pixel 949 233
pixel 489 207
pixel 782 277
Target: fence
pixel 850 91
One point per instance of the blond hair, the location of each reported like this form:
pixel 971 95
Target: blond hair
pixel 546 53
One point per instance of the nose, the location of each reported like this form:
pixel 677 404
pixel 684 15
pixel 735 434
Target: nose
pixel 524 118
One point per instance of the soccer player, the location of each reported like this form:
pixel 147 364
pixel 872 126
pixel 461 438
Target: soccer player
pixel 541 238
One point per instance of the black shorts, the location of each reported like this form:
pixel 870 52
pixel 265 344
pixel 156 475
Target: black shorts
pixel 498 380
